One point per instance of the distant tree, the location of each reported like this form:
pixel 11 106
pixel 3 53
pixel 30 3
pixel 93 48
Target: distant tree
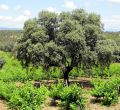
pixel 116 37
pixel 116 56
pixel 66 41
pixel 105 51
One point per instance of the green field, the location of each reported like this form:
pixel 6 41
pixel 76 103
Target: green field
pixel 14 76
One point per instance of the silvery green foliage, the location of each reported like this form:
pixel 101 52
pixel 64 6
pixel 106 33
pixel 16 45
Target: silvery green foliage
pixel 105 51
pixel 66 40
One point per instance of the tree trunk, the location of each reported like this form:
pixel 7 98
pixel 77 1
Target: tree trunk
pixel 66 74
pixel 102 72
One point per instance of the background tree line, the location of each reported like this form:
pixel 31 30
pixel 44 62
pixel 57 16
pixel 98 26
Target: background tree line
pixel 8 38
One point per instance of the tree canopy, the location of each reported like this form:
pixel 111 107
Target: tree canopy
pixel 68 40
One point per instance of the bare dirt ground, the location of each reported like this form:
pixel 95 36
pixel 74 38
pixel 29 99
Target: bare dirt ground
pixel 51 105
pixel 85 82
pixel 3 105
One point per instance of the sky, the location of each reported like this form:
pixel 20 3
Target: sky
pixel 13 13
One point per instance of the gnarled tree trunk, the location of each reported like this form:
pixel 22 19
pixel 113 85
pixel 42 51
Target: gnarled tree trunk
pixel 66 74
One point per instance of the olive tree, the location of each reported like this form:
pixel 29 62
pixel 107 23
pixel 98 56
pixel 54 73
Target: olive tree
pixel 106 49
pixel 105 52
pixel 66 40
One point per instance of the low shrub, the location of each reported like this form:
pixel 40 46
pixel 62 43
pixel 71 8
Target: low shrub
pixel 56 90
pixel 6 89
pixel 116 83
pixel 25 97
pixel 71 97
pixel 97 90
pixel 28 98
pixel 107 90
